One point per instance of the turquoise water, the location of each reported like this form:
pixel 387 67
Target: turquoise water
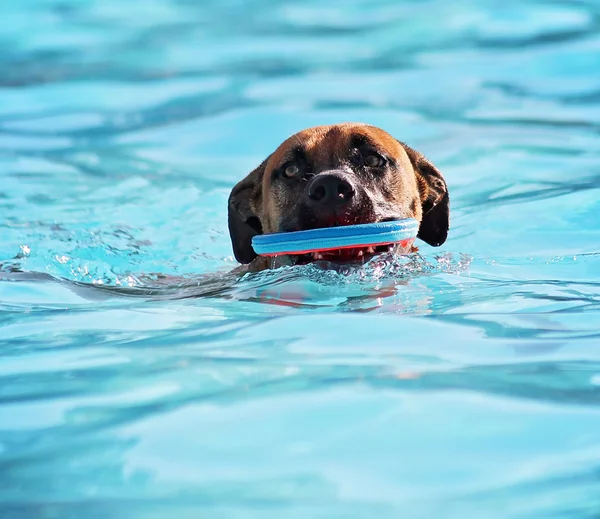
pixel 462 382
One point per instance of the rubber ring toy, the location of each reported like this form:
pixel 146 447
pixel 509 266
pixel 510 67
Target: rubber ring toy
pixel 334 238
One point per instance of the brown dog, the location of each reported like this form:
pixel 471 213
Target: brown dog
pixel 342 174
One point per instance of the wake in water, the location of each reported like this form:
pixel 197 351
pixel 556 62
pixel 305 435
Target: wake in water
pixel 306 283
pixel 377 270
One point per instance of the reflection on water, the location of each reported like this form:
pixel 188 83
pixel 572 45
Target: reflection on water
pixel 140 377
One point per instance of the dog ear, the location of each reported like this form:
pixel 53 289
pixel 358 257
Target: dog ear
pixel 435 201
pixel 244 205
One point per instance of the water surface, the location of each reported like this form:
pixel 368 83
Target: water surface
pixel 462 382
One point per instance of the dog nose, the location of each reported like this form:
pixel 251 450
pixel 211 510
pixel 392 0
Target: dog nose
pixel 330 189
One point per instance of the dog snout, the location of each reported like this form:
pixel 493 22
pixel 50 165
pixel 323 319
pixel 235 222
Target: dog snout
pixel 330 190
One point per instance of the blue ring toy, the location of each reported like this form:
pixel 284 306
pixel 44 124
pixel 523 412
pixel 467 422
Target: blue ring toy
pixel 333 238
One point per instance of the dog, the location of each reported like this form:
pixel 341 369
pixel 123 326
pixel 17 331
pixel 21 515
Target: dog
pixel 342 174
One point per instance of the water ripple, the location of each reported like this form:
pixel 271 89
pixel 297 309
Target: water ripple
pixel 140 377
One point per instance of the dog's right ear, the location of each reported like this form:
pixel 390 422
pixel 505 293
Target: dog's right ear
pixel 244 206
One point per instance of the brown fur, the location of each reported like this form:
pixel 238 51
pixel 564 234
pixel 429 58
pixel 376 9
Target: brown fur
pixel 407 186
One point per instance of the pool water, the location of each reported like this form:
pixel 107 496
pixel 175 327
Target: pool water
pixel 140 379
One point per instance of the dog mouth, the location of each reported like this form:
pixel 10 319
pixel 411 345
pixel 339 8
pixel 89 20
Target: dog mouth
pixel 348 255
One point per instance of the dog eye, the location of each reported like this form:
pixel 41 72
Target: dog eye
pixel 373 160
pixel 291 171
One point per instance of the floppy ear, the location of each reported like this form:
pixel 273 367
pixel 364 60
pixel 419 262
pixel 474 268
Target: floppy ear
pixel 244 205
pixel 435 201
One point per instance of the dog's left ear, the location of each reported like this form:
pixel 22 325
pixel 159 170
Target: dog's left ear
pixel 243 218
pixel 435 201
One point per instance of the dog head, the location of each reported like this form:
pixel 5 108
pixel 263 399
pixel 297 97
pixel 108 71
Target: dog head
pixel 343 174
